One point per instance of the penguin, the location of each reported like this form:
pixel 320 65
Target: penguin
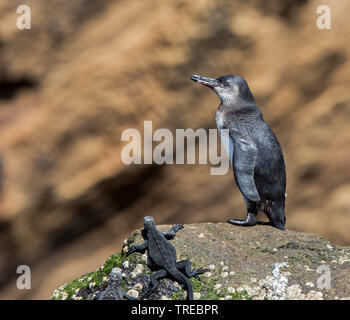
pixel 255 154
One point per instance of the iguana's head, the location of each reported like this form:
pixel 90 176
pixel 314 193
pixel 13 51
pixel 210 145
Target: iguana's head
pixel 116 276
pixel 148 222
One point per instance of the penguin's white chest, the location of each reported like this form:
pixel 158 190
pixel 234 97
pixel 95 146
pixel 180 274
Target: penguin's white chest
pixel 219 121
pixel 227 144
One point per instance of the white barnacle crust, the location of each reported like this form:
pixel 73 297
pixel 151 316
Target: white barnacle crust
pixel 309 284
pixel 314 295
pixel 139 268
pixel 133 293
pixel 276 284
pixel 217 286
pixel 196 295
pixel 138 286
pixel 144 257
pixel 231 290
pixel 343 259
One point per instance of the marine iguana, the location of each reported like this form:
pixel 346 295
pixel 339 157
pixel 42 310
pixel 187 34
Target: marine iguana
pixel 113 291
pixel 161 256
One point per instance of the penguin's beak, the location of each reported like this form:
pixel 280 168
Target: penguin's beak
pixel 209 82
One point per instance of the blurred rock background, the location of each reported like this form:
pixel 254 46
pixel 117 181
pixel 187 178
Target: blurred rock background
pixel 89 69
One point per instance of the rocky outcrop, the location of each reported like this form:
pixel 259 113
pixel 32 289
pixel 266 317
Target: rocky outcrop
pixel 244 263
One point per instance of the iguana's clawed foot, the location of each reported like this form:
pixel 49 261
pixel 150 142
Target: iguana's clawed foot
pixel 130 251
pixel 178 227
pixel 196 272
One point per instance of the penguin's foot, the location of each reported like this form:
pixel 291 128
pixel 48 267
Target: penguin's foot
pixel 243 223
pixel 248 222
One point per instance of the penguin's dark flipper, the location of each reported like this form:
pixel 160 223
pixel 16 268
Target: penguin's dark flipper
pixel 244 158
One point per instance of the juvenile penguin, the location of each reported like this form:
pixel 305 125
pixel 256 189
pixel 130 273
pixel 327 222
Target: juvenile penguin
pixel 254 151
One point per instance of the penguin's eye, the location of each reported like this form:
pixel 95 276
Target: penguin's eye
pixel 226 84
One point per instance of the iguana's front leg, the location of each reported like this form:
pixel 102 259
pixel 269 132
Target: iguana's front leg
pixel 171 233
pixel 141 248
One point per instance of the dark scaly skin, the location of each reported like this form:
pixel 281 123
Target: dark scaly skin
pixel 161 256
pixel 113 290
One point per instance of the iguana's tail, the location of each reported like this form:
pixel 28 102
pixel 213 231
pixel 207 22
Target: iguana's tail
pixel 180 277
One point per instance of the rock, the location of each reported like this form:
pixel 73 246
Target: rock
pixel 261 272
pixel 231 290
pixel 138 286
pixel 133 293
pixel 217 286
pixel 196 295
pixel 140 266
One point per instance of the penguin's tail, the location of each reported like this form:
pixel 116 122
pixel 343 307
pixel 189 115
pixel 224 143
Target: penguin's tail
pixel 180 277
pixel 276 214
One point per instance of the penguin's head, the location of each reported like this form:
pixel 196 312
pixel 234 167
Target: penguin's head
pixel 229 88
